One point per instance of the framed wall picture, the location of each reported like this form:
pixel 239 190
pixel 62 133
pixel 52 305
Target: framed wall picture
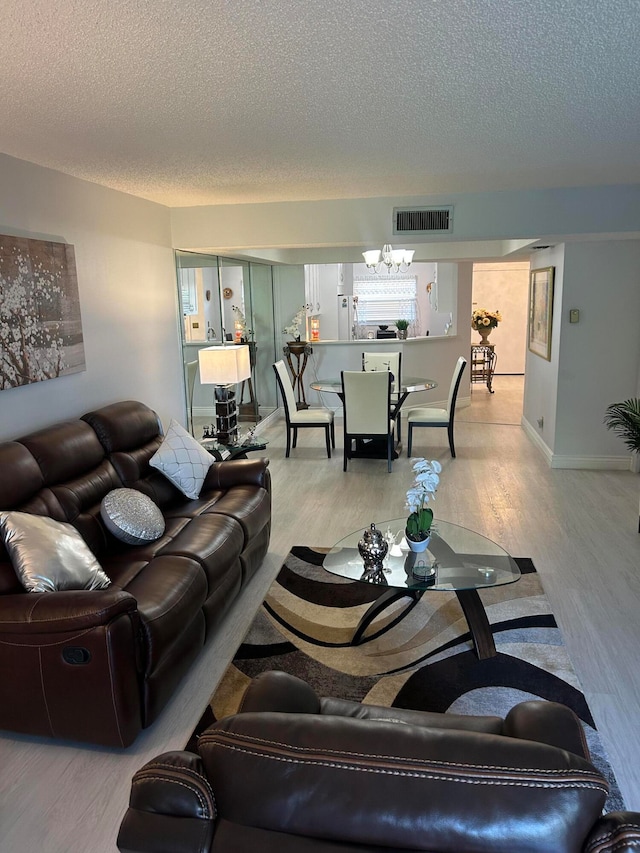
pixel 40 323
pixel 541 311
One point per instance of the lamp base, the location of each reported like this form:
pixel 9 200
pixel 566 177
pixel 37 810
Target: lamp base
pixel 226 414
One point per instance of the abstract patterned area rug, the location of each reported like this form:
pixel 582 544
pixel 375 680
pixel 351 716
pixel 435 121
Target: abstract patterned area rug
pixel 426 661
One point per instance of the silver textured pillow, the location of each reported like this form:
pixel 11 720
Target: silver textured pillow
pixel 182 460
pixel 131 516
pixel 49 555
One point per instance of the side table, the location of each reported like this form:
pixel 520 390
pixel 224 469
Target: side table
pixel 483 363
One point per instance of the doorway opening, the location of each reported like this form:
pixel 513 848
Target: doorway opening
pixel 503 287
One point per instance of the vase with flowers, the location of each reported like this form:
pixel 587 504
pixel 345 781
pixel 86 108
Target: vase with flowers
pixel 425 484
pixel 484 322
pixel 241 332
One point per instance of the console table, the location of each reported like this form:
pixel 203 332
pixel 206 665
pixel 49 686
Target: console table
pixel 483 363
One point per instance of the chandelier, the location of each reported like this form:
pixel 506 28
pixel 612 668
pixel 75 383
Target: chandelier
pixel 395 260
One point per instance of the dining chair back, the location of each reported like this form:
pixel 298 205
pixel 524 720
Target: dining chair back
pixel 434 417
pixel 301 418
pixel 391 361
pixel 367 401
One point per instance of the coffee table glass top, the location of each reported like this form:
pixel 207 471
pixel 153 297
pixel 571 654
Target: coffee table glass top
pixel 458 559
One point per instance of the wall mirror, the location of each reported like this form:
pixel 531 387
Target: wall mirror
pixel 223 300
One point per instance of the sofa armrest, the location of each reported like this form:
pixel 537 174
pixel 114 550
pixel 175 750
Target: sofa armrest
pixel 171 807
pixel 238 472
pixel 547 722
pixel 616 832
pixel 69 610
pixel 273 690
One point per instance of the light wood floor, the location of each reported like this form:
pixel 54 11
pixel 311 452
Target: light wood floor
pixel 580 528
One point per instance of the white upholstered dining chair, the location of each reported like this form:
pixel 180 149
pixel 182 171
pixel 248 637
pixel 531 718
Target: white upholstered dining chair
pixel 367 401
pixel 301 418
pixel 433 417
pixel 391 361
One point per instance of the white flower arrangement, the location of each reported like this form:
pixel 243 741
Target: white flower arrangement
pixel 421 492
pixel 293 328
pixel 240 321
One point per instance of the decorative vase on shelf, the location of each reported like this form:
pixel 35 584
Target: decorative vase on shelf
pixel 484 332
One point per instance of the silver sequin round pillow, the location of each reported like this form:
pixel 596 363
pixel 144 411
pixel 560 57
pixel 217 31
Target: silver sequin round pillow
pixel 131 516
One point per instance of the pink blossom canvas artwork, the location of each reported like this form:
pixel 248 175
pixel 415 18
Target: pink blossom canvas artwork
pixel 40 323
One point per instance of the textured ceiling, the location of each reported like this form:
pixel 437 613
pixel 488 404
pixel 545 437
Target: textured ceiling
pixel 226 101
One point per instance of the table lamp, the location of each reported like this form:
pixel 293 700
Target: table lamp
pixel 225 367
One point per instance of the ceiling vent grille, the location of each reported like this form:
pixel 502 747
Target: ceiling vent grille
pixel 423 220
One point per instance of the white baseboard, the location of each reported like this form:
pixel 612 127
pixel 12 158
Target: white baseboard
pixel 592 463
pixel 586 463
pixel 537 440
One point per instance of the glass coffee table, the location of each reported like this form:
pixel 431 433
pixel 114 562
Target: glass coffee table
pixel 457 560
pixel 225 452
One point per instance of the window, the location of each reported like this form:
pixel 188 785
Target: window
pixel 188 291
pixel 385 300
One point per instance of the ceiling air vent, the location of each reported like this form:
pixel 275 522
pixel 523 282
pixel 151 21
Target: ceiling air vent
pixel 423 220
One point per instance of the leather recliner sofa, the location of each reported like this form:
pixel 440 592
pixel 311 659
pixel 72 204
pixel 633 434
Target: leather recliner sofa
pixel 99 665
pixel 294 772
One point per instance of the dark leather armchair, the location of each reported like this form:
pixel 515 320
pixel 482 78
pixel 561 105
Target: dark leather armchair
pixel 294 772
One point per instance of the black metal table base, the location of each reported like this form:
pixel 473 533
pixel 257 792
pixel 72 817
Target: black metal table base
pixel 373 448
pixel 470 603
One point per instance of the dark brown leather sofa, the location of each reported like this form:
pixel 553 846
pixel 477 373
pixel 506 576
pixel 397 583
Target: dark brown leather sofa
pixel 295 773
pixel 98 666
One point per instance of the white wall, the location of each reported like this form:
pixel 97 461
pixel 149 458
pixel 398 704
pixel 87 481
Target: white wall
pixel 600 355
pixel 541 376
pixel 353 224
pixel 594 362
pixel 504 287
pixel 128 296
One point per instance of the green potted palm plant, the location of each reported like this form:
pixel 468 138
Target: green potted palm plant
pixel 624 419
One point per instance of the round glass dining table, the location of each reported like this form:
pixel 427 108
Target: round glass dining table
pixel 409 385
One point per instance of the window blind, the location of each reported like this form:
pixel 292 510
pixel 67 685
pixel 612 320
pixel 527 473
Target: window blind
pixel 385 300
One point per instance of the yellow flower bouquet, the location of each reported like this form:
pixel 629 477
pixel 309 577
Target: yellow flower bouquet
pixel 483 319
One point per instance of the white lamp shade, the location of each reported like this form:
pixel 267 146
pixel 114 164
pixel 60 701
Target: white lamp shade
pixel 408 256
pixel 224 365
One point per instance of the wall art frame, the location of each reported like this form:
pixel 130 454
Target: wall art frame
pixel 540 311
pixel 40 324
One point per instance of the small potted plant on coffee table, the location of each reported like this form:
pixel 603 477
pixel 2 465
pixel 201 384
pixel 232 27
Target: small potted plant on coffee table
pixel 418 528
